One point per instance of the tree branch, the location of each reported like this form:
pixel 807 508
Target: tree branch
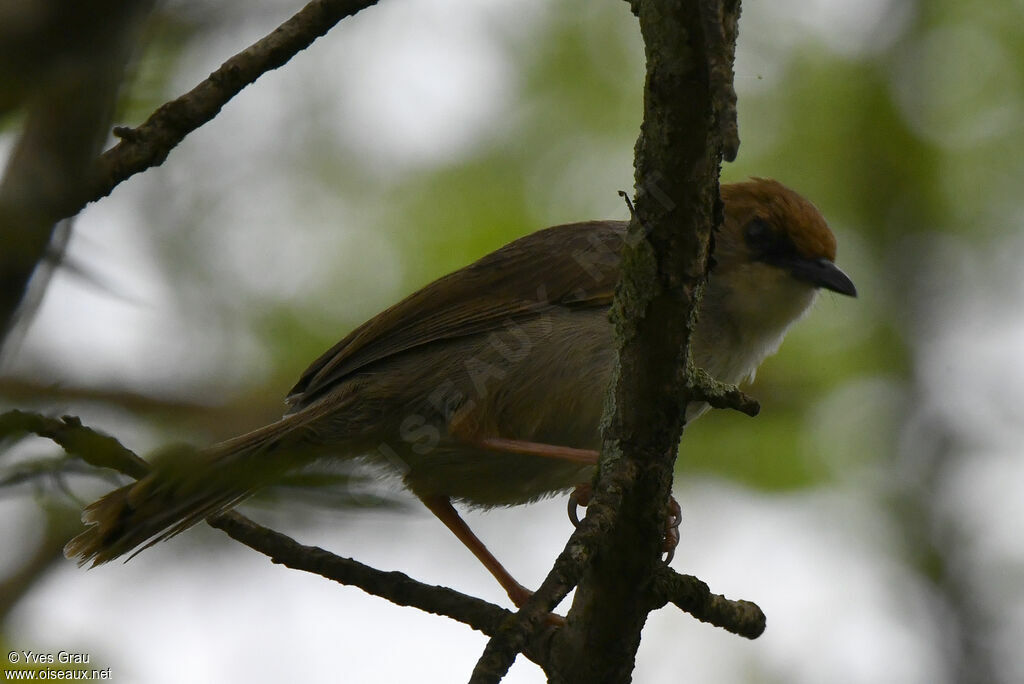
pixel 105 451
pixel 693 596
pixel 149 144
pixel 501 650
pixel 511 634
pixel 678 156
pixel 720 22
pixel 396 587
pixel 32 202
pixel 689 119
pixel 700 386
pixel 95 448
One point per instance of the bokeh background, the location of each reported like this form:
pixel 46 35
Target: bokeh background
pixel 874 509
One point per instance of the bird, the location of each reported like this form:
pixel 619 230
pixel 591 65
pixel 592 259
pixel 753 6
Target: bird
pixel 486 386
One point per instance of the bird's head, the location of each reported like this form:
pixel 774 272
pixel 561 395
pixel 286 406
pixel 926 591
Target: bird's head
pixel 772 255
pixel 769 225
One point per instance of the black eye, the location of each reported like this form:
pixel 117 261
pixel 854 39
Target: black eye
pixel 758 233
pixel 766 243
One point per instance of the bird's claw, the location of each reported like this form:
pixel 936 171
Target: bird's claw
pixel 671 539
pixel 580 497
pixel 584 492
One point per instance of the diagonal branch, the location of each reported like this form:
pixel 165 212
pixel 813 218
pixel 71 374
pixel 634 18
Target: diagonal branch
pixel 511 634
pixel 693 596
pixel 95 448
pixel 105 451
pixel 31 222
pixel 149 144
pixel 397 587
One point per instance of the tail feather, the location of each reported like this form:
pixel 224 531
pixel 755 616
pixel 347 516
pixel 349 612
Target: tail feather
pixel 181 491
pixel 118 525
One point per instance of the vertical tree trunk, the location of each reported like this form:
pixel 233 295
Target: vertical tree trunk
pixel 688 109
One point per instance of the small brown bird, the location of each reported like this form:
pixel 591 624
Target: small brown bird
pixel 487 385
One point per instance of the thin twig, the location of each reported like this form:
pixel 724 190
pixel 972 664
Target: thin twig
pixel 104 451
pixel 396 587
pixel 95 448
pixel 149 144
pixel 702 387
pixel 693 596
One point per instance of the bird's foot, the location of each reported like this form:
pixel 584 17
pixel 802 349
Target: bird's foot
pixel 671 539
pixel 580 497
pixel 583 493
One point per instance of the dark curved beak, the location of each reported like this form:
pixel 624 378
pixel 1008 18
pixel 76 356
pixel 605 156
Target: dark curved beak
pixel 822 273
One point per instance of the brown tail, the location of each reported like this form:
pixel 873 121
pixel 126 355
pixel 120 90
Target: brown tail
pixel 181 491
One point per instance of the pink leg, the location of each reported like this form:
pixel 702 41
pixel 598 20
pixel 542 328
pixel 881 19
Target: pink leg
pixel 441 506
pixel 581 495
pixel 518 446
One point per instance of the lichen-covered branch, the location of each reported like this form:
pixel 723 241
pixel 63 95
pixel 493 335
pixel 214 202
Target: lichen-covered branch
pixel 688 123
pixel 501 650
pixel 693 596
pixel 720 22
pixel 702 387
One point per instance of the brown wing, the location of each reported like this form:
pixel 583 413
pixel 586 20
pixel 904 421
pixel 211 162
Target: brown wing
pixel 523 279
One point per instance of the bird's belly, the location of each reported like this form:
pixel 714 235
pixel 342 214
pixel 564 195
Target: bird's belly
pixel 490 478
pixel 541 381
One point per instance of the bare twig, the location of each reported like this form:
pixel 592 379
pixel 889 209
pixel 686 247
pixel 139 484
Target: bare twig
pixel 95 448
pixel 395 586
pixel 693 596
pixel 28 224
pixel 149 144
pixel 702 387
pixel 104 451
